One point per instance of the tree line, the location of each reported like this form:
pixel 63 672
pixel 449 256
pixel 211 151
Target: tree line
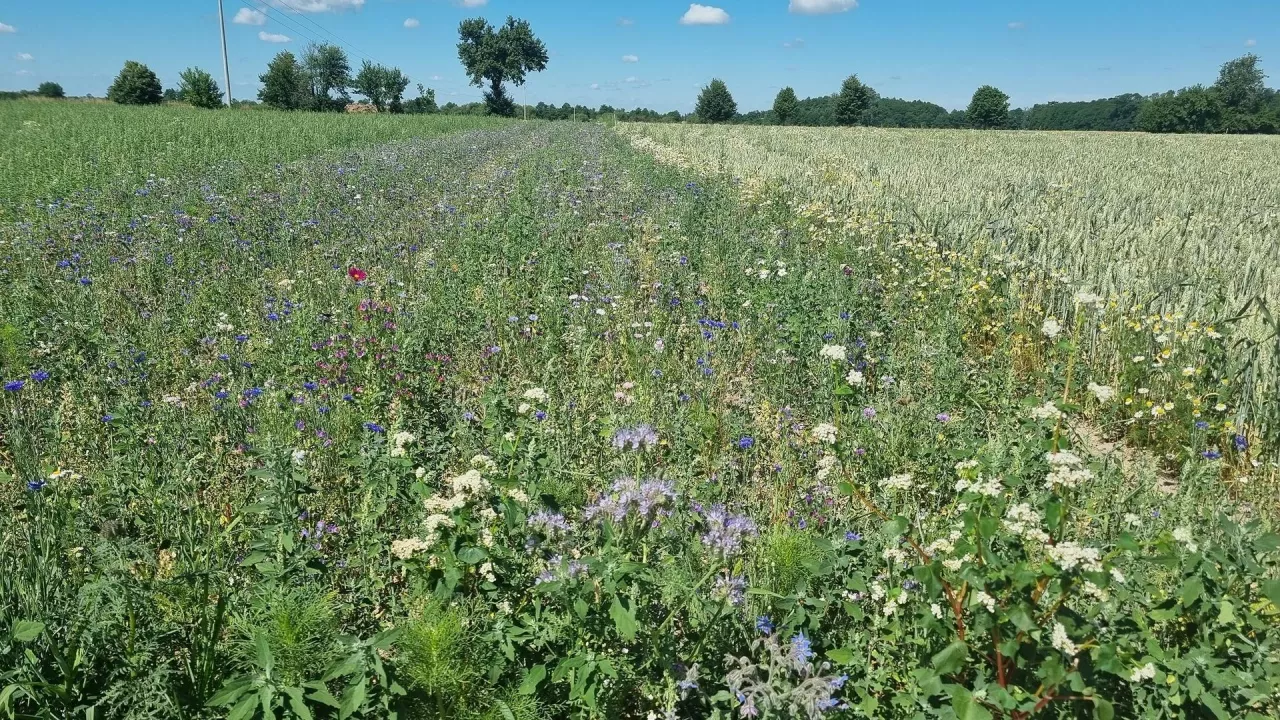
pixel 495 57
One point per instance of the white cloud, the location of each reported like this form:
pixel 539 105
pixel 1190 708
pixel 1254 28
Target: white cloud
pixel 435 77
pixel 411 22
pixel 7 28
pixel 473 3
pixel 21 72
pixel 595 86
pixel 626 21
pixel 631 79
pixel 273 37
pixel 1250 42
pixel 821 7
pixel 316 6
pixel 630 58
pixel 794 44
pixel 704 15
pixel 24 57
pixel 247 16
pixel 1017 25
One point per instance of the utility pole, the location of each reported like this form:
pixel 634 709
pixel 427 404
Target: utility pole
pixel 226 69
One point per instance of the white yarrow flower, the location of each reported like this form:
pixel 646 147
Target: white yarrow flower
pixel 825 432
pixel 834 353
pixel 1104 393
pixel 1051 328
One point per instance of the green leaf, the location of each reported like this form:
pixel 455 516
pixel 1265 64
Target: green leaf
pixel 320 693
pixel 1103 710
pixel 27 630
pixel 472 555
pixel 1021 619
pixel 352 699
pixel 580 607
pixel 840 656
pixel 231 690
pixel 1215 706
pixel 1226 612
pixel 1267 543
pixel 253 558
pixel 296 703
pixel 845 487
pixel 531 679
pixel 244 708
pixel 607 668
pixel 342 668
pixel 965 707
pixel 1191 590
pixel 951 658
pixel 623 620
pixel 895 527
pixel 1271 589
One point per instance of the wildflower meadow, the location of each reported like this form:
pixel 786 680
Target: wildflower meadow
pixel 544 420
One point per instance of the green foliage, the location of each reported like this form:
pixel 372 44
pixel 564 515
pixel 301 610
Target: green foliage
pixel 329 72
pixel 425 103
pixel 989 109
pixel 853 102
pixel 135 85
pixel 1240 85
pixel 285 85
pixel 1113 114
pixel 784 105
pixel 50 90
pixel 382 86
pixel 198 88
pixel 504 55
pixel 1196 109
pixel 715 104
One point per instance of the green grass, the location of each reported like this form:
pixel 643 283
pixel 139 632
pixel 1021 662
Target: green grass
pixel 54 149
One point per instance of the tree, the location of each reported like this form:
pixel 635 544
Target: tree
pixel 50 90
pixel 424 103
pixel 327 72
pixel 382 86
pixel 854 100
pixel 135 85
pixel 198 88
pixel 498 56
pixel 989 108
pixel 1196 109
pixel 784 105
pixel 1240 84
pixel 284 86
pixel 715 104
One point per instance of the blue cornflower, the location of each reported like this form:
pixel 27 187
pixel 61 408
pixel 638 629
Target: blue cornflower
pixel 540 415
pixel 1241 443
pixel 745 442
pixel 273 316
pixel 39 376
pixel 253 392
pixel 374 427
pixel 1211 454
pixel 468 416
pixel 36 485
pixel 322 409
pixel 242 338
pixel 764 624
pixel 852 536
pixel 1202 425
pixel 222 394
pixel 86 281
pixel 348 397
pixel 310 385
pixel 108 418
pixel 838 682
pixel 15 385
pixel 533 317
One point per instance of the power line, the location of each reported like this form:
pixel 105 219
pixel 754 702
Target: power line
pixel 323 29
pixel 281 18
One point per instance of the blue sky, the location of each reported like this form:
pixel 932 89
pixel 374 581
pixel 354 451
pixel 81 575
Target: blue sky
pixel 656 53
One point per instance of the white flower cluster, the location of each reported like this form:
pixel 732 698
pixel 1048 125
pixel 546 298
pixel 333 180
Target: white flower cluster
pixel 408 547
pixel 467 487
pixel 855 378
pixel 834 353
pixel 398 441
pixel 1051 328
pixel 989 486
pixel 764 272
pixel 826 465
pixel 898 482
pixel 1088 298
pixel 1183 535
pixel 825 433
pixel 1047 411
pixel 1072 555
pixel 1146 672
pixel 1062 642
pixel 1066 470
pixel 985 600
pixel 954 564
pixel 1024 521
pixel 1104 393
pixel 536 394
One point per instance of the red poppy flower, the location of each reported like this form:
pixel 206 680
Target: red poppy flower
pixel 357 274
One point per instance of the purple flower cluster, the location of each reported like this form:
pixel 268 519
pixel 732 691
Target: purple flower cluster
pixel 725 532
pixel 646 500
pixel 640 437
pixel 548 524
pixel 732 588
pixel 572 570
